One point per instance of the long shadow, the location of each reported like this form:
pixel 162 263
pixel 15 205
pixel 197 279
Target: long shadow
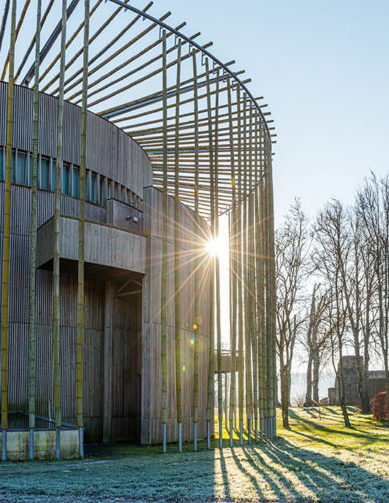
pixel 244 472
pixel 224 475
pixel 325 478
pixel 256 458
pixel 353 432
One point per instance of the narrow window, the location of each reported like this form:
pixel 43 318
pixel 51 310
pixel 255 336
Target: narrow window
pixel 45 174
pixel 66 179
pixel 21 169
pixel 53 174
pixel 86 186
pixel 101 191
pixel 93 189
pixel 13 174
pixel 2 177
pixel 109 189
pixel 76 182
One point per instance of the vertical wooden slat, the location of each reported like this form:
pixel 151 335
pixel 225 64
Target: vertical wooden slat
pixel 217 269
pixel 164 250
pixel 81 238
pixel 239 260
pixel 56 258
pixel 6 242
pixel 177 317
pixel 196 327
pixel 211 374
pixel 33 239
pixel 233 268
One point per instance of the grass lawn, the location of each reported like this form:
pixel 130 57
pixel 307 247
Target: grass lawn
pixel 317 461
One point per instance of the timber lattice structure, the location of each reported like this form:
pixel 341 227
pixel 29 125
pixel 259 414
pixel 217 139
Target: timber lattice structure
pixel 123 142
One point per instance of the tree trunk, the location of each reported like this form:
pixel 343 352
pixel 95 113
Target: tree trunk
pixel 315 380
pixel 308 395
pixel 289 384
pixel 284 392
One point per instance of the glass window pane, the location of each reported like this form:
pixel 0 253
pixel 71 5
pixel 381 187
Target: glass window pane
pixel 76 183
pixel 45 174
pixel 94 189
pixel 2 174
pixel 101 191
pixel 109 190
pixel 13 174
pixel 66 179
pixel 21 169
pixel 86 186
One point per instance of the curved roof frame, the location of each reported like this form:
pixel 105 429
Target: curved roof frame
pixel 231 133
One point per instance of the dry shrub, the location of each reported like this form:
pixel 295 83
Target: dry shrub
pixel 380 407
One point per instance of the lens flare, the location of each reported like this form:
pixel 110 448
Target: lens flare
pixel 214 247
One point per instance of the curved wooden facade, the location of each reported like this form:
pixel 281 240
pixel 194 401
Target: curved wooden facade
pixel 123 259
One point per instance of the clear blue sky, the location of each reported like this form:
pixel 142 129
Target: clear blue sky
pixel 323 67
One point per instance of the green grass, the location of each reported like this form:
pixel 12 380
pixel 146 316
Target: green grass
pixel 318 460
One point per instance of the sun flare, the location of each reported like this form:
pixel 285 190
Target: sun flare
pixel 215 247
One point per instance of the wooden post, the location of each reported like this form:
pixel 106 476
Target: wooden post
pixel 197 262
pixel 239 260
pixel 6 242
pixel 233 269
pixel 271 286
pixel 33 239
pixel 164 252
pixel 217 269
pixel 251 283
pixel 211 372
pixel 177 318
pixel 81 240
pixel 56 259
pixel 246 276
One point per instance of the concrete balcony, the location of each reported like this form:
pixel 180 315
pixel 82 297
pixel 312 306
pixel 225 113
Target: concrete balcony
pixel 109 251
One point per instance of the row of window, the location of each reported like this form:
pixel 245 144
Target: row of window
pixel 97 187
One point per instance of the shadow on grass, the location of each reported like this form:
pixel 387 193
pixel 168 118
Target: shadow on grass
pixel 297 474
pixel 322 427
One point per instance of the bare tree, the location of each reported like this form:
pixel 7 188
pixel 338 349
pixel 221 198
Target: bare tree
pixel 291 256
pixel 331 252
pixel 373 209
pixel 315 341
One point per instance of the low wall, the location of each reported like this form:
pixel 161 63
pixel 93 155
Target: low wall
pixel 44 444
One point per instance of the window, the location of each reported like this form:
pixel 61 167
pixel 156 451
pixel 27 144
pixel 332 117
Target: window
pixel 21 169
pixel 93 197
pixel 2 164
pixel 13 174
pixel 66 179
pixel 86 186
pixel 76 182
pixel 109 190
pixel 45 174
pixel 101 191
